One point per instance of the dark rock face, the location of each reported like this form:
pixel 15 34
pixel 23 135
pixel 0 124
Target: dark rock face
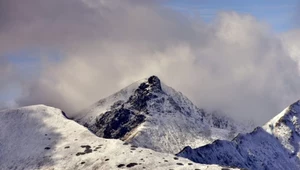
pixel 155 83
pixel 117 123
pixel 144 93
pixel 127 115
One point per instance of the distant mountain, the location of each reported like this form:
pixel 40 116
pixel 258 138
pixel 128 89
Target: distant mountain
pixel 150 114
pixel 273 146
pixel 41 137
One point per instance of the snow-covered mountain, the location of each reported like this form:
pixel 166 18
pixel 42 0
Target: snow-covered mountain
pixel 150 114
pixel 273 146
pixel 41 137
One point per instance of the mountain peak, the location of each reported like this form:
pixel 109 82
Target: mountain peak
pixel 148 109
pixel 285 127
pixel 153 79
pixel 151 84
pixel 289 116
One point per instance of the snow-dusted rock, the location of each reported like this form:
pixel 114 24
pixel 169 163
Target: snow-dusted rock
pixel 286 128
pixel 150 114
pixel 273 146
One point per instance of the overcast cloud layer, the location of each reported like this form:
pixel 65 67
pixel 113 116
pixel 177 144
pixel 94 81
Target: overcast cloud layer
pixel 234 64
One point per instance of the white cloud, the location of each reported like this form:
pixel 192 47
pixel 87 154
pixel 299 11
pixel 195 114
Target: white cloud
pixel 234 64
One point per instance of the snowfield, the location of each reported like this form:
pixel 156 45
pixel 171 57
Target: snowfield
pixel 40 137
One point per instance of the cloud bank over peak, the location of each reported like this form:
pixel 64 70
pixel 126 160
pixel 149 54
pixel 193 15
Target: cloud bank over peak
pixel 234 64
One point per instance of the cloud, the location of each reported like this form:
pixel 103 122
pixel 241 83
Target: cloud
pixel 291 42
pixel 7 73
pixel 234 64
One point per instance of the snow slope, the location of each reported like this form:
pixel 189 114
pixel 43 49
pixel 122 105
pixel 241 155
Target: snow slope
pixel 273 146
pixel 150 114
pixel 40 137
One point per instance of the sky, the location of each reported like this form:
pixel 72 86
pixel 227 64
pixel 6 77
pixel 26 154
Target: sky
pixel 240 58
pixel 277 13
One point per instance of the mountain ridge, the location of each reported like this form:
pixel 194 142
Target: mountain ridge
pixel 272 146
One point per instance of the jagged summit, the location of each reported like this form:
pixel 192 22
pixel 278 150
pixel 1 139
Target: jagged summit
pixel 150 114
pixel 153 83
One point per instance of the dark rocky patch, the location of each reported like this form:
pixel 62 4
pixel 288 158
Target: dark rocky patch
pixel 47 148
pixel 67 147
pixel 131 165
pixel 86 151
pixel 190 163
pixel 87 148
pixel 80 153
pixel 179 163
pixel 106 159
pixel 98 147
pixel 166 160
pixel 120 165
pixel 176 158
pixel 82 162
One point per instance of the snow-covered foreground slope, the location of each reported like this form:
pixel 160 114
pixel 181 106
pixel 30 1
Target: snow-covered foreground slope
pixel 274 146
pixel 152 115
pixel 40 137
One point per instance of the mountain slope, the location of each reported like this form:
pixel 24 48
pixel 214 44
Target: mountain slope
pixel 40 137
pixel 152 115
pixel 286 128
pixel 274 146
